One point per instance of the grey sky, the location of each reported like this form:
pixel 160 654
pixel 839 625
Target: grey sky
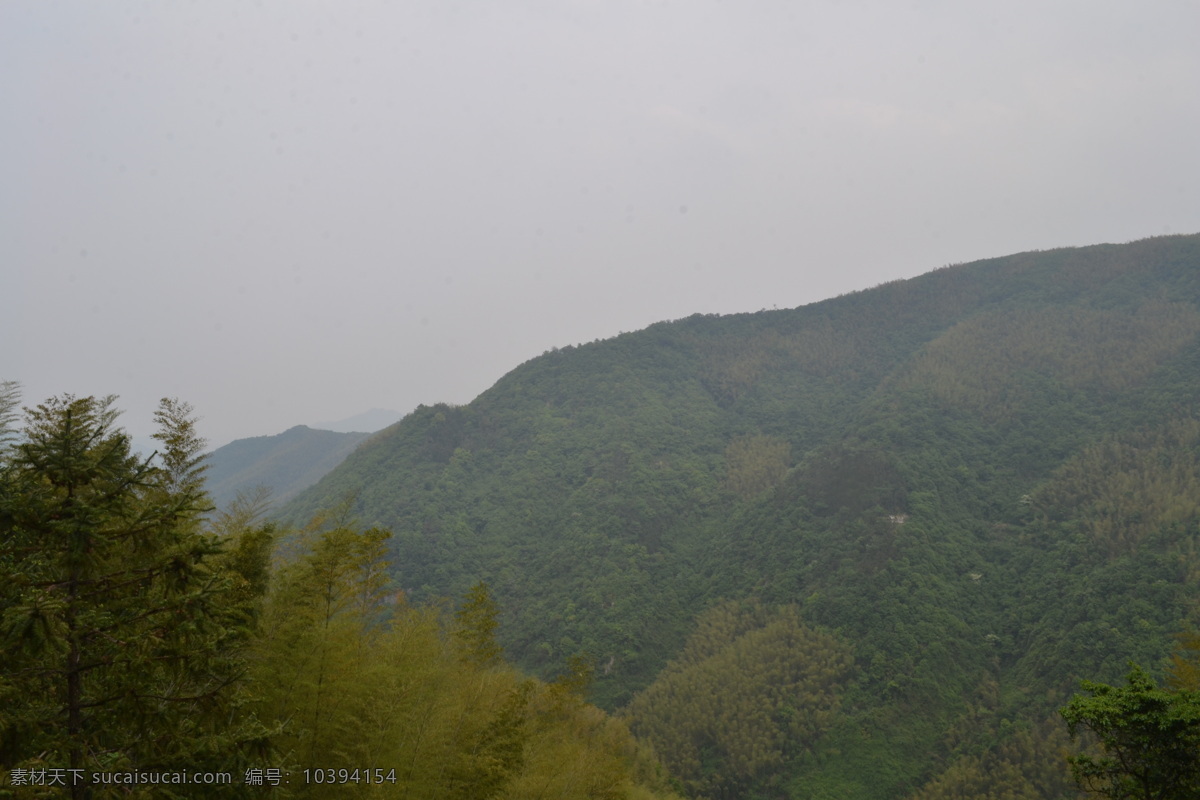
pixel 290 211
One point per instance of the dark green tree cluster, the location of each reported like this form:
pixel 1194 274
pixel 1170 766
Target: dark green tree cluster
pixel 1026 762
pixel 125 626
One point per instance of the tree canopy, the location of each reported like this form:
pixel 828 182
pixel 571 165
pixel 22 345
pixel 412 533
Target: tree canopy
pixel 1150 737
pixel 123 633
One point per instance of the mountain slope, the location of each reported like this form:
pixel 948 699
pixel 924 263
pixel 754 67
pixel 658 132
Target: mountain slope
pixel 285 463
pixel 978 480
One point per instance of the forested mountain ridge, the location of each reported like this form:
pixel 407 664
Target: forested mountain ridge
pixel 285 464
pixel 944 499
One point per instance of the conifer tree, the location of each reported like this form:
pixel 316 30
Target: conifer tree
pixel 122 640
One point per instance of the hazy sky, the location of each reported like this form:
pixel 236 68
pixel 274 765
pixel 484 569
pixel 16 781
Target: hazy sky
pixel 289 211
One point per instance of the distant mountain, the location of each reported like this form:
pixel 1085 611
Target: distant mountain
pixel 285 463
pixel 374 420
pixel 864 548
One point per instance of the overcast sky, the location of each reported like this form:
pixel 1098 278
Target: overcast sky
pixel 286 212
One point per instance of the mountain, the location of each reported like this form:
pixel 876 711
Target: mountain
pixel 864 548
pixel 285 463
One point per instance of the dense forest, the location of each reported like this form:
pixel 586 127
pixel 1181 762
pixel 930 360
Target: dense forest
pixel 152 649
pixel 903 543
pixel 936 506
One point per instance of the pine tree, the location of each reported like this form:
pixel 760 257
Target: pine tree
pixel 122 637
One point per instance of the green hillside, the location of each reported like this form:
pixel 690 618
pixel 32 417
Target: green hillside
pixel 285 464
pixel 928 509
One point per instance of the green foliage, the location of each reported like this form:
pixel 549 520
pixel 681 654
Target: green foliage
pixel 249 543
pixel 1185 663
pixel 1027 764
pixel 755 464
pixel 752 687
pixel 1150 737
pixel 476 627
pixel 124 634
pixel 181 448
pixel 315 634
pixel 994 756
pixel 1082 347
pixel 1120 491
pixel 138 639
pixel 987 470
pixel 353 674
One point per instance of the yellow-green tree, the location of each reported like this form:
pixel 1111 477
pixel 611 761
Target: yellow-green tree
pixel 754 464
pixel 426 696
pixel 316 637
pixel 1184 673
pixel 752 687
